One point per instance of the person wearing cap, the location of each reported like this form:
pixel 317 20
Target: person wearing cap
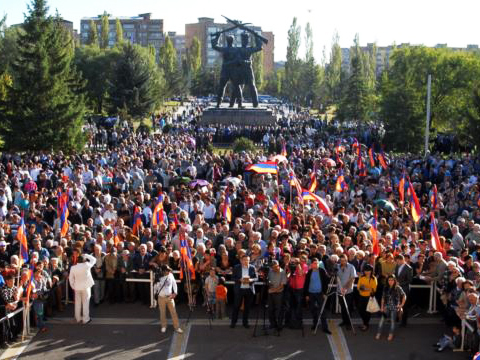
pixel 277 279
pixel 4 255
pixel 81 281
pixel 166 291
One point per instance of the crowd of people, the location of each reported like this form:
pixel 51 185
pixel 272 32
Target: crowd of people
pixel 253 230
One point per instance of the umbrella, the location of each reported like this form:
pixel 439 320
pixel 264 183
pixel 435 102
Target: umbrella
pixel 235 181
pixel 279 158
pixel 199 182
pixel 385 204
pixel 329 162
pixel 180 180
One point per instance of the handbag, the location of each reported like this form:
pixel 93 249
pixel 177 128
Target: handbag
pixel 372 306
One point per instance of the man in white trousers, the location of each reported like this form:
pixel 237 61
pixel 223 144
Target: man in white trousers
pixel 81 281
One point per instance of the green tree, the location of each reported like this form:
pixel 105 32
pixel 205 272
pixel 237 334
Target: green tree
pixel 293 63
pixel 355 101
pixel 135 85
pixel 92 34
pixel 44 108
pixel 333 72
pixel 168 64
pixel 194 56
pixel 105 31
pixel 119 32
pixel 258 72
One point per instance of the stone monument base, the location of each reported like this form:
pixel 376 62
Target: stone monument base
pixel 234 116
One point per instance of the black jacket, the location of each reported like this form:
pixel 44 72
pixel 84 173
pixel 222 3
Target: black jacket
pixel 323 277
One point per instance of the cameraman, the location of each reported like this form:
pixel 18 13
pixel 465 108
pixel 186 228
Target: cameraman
pixel 316 287
pixel 277 279
pixel 296 274
pixel 165 291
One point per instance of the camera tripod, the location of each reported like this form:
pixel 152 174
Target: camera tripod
pixel 334 283
pixel 263 306
pixel 210 307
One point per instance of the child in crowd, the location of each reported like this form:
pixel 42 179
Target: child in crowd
pixel 221 298
pixel 211 283
pixel 452 342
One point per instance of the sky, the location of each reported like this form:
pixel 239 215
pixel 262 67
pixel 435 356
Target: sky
pixel 384 22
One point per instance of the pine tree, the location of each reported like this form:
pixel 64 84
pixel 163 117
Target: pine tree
pixel 135 83
pixel 119 32
pixel 44 108
pixel 105 31
pixel 92 34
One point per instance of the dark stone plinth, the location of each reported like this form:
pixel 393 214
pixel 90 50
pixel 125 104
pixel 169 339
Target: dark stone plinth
pixel 234 116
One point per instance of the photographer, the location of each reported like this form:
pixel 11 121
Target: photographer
pixel 296 274
pixel 166 291
pixel 277 279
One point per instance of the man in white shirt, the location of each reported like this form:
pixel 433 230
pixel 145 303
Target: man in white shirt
pixel 81 281
pixel 166 289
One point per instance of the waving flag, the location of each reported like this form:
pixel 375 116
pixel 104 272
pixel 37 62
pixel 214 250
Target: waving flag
pixel 227 210
pixel 308 195
pixel 371 156
pixel 157 216
pixel 62 212
pixel 284 149
pixel 186 263
pixel 362 169
pixel 373 232
pixel 401 187
pixel 415 205
pixel 383 160
pixel 137 220
pixel 289 216
pixel 294 182
pixel 355 145
pixel 313 182
pixel 435 238
pixel 22 239
pixel 434 198
pixel 280 212
pixel 341 184
pixel 268 167
pixel 116 238
pixel 30 277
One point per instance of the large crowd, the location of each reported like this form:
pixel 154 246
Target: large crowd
pixel 113 191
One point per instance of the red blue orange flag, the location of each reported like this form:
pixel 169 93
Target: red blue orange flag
pixel 268 167
pixel 308 195
pixel 371 156
pixel 157 216
pixel 280 212
pixel 137 220
pixel 227 210
pixel 62 212
pixel 434 198
pixel 284 148
pixel 401 187
pixel 341 183
pixel 186 258
pixel 22 239
pixel 435 238
pixel 373 232
pixel 362 169
pixel 294 182
pixel 383 160
pixel 415 204
pixel 313 182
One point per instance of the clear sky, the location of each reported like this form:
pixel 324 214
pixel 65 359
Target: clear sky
pixel 425 22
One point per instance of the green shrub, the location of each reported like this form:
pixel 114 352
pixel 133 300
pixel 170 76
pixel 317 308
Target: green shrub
pixel 243 144
pixel 209 148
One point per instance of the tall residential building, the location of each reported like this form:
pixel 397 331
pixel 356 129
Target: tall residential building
pixel 383 54
pixel 141 29
pixel 207 26
pixel 179 45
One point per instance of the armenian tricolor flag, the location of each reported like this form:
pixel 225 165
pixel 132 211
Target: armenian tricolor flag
pixel 362 169
pixel 280 212
pixel 401 187
pixel 268 167
pixel 383 160
pixel 341 184
pixel 415 204
pixel 137 220
pixel 22 239
pixel 284 149
pixel 435 238
pixel 434 198
pixel 157 216
pixel 62 212
pixel 313 182
pixel 373 232
pixel 227 210
pixel 371 156
pixel 308 195
pixel 186 258
pixel 294 182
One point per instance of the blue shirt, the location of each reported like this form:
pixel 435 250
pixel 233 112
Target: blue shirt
pixel 315 285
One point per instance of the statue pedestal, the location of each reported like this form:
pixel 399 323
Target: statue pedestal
pixel 234 116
